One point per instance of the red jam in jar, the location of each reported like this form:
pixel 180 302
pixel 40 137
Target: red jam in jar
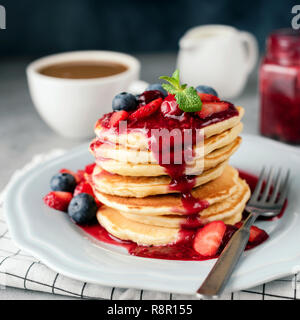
pixel 280 87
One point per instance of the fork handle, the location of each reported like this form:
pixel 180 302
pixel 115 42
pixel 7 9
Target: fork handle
pixel 218 277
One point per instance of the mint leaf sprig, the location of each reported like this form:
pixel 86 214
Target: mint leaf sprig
pixel 186 97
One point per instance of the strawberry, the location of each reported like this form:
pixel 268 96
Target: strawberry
pixel 117 117
pixel 206 97
pixel 89 168
pixel 83 187
pixel 147 110
pixel 170 107
pixel 170 97
pixel 209 238
pixel 58 200
pixel 80 174
pixel 230 230
pixel 257 235
pixel 209 108
pixel 75 175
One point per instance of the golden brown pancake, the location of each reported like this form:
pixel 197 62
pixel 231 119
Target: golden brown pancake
pixel 140 187
pixel 214 191
pixel 152 170
pixel 126 229
pixel 138 203
pixel 163 230
pixel 229 208
pixel 136 156
pixel 137 139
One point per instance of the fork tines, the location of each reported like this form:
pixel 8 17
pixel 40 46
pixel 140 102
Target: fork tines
pixel 270 190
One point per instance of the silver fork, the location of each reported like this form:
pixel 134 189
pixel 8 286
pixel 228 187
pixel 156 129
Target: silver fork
pixel 266 202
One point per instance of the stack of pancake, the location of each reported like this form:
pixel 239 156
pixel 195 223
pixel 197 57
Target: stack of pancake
pixel 138 203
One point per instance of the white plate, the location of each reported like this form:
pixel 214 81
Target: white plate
pixel 52 237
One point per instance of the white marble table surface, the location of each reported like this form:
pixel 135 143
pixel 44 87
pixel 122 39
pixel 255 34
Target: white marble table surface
pixel 23 133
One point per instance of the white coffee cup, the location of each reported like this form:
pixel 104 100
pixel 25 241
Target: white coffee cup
pixel 219 56
pixel 71 107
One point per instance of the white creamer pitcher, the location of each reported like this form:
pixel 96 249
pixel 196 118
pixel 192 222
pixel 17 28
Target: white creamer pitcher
pixel 218 56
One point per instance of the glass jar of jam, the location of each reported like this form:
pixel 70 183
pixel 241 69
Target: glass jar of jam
pixel 279 84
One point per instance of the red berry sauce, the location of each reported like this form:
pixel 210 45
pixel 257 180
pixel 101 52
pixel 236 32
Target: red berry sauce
pixel 183 248
pixel 163 149
pixel 169 151
pixel 252 181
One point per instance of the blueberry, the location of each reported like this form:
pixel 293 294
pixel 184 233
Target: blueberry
pixel 63 182
pixel 207 89
pixel 124 101
pixel 157 86
pixel 82 208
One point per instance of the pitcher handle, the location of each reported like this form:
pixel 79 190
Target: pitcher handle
pixel 252 48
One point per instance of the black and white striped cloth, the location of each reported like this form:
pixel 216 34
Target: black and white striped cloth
pixel 21 270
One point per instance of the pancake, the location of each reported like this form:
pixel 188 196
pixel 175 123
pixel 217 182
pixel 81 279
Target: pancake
pixel 137 139
pixel 234 218
pixel 138 203
pixel 211 160
pixel 214 191
pixel 228 210
pixel 139 187
pixel 147 233
pixel 141 233
pixel 136 156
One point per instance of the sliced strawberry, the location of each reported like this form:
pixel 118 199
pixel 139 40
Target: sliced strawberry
pixel 89 168
pixel 170 97
pixel 75 175
pixel 170 108
pixel 257 235
pixel 117 117
pixel 83 187
pixel 206 97
pixel 209 238
pixel 147 110
pixel 209 108
pixel 230 230
pixel 80 174
pixel 58 200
